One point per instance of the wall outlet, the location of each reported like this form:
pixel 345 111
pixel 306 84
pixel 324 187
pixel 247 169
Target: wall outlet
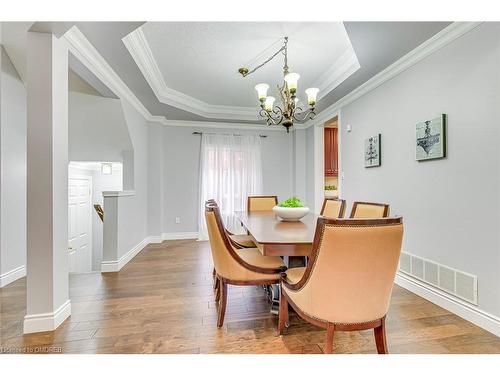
pixel 177 220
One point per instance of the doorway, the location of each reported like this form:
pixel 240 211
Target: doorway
pixel 331 161
pixel 79 224
pixel 86 182
pixel 327 173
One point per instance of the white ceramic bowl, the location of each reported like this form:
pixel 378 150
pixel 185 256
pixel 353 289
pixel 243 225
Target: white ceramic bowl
pixel 291 213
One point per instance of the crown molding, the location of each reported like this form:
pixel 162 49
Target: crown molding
pixel 221 125
pixel 88 55
pixel 138 47
pixel 433 44
pixel 342 69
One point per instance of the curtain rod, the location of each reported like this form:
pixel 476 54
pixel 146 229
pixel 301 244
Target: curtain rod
pixel 236 135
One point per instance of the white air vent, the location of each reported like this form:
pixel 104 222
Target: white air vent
pixel 431 272
pixel 452 281
pixel 417 267
pixel 404 263
pixel 466 286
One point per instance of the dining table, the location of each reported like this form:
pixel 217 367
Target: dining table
pixel 292 240
pixel 276 237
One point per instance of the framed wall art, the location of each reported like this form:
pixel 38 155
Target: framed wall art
pixel 430 139
pixel 373 149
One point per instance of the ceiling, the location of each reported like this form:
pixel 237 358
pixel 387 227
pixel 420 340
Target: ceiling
pixel 200 59
pixel 188 70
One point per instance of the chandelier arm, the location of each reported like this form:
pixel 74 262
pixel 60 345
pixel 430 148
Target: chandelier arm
pixel 270 119
pixel 304 114
pixel 279 115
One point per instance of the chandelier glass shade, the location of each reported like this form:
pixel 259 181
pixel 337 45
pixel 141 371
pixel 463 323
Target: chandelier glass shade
pixel 288 111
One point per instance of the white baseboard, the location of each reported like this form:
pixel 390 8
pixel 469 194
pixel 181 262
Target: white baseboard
pixel 117 265
pixel 461 308
pixel 47 321
pixel 155 239
pixel 179 236
pixel 12 275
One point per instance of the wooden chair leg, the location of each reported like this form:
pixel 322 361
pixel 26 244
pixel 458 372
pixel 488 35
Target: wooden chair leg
pixel 222 303
pixel 330 330
pixel 217 289
pixel 381 338
pixel 283 313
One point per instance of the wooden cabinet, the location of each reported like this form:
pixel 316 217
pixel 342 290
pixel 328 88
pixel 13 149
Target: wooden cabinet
pixel 331 152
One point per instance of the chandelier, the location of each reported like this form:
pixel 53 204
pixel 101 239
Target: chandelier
pixel 289 111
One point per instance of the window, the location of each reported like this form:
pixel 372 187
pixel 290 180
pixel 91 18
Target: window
pixel 230 171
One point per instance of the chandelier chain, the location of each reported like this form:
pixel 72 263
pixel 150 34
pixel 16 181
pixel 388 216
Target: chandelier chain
pixel 282 49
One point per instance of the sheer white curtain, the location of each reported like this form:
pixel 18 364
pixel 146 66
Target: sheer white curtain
pixel 230 171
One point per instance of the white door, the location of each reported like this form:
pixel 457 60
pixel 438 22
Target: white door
pixel 79 225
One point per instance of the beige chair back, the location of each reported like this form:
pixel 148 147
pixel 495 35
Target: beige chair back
pixel 353 267
pixel 261 202
pixel 369 210
pixel 333 207
pixel 227 263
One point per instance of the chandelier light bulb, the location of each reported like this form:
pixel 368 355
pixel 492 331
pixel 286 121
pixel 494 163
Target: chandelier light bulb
pixel 312 94
pixel 291 80
pixel 262 91
pixel 269 103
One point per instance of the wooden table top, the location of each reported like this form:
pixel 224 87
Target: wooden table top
pixel 267 228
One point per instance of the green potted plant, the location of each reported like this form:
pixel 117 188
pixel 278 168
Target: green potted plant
pixel 291 209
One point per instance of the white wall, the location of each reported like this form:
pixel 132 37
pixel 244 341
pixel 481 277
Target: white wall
pixel 97 128
pixel 155 180
pixel 450 206
pixel 300 164
pixel 132 210
pixel 12 168
pixel 181 156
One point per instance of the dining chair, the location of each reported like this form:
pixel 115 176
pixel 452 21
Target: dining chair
pixel 369 210
pixel 236 266
pixel 348 281
pixel 333 207
pixel 239 241
pixel 261 202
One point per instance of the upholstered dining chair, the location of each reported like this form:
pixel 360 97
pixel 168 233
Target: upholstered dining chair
pixel 348 281
pixel 333 207
pixel 261 202
pixel 369 210
pixel 236 266
pixel 239 241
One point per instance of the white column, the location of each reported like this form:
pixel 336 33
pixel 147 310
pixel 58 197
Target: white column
pixel 48 302
pixel 319 167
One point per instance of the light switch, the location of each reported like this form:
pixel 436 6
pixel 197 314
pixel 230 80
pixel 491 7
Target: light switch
pixel 348 128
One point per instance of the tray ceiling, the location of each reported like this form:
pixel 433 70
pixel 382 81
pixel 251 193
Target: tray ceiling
pixel 193 66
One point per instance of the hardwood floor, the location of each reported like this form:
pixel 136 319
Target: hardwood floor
pixel 162 302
